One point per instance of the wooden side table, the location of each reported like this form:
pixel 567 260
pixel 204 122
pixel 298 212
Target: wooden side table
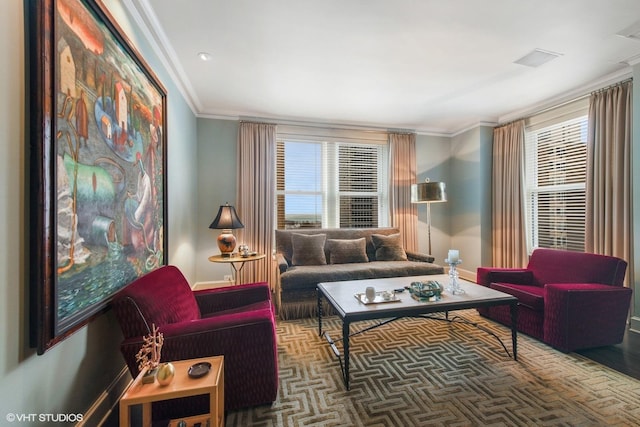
pixel 182 386
pixel 236 259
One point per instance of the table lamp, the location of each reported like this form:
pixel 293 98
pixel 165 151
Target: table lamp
pixel 226 220
pixel 428 192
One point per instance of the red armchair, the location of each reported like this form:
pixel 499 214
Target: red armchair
pixel 569 300
pixel 235 321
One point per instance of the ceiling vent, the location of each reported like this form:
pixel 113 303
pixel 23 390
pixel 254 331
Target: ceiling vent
pixel 537 57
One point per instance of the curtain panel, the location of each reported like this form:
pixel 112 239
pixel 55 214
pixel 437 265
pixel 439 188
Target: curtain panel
pixel 256 197
pixel 508 187
pixel 402 174
pixel 608 211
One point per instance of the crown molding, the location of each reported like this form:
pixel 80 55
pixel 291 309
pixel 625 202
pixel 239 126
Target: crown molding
pixel 142 13
pixel 569 96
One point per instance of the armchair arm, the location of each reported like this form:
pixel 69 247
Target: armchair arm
pixel 281 262
pixel 518 276
pixel 208 337
pixel 418 256
pixel 584 315
pixel 228 297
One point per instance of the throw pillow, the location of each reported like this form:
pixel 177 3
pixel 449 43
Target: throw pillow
pixel 388 248
pixel 308 249
pixel 344 251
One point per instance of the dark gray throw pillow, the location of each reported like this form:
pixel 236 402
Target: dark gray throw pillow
pixel 345 251
pixel 308 249
pixel 388 248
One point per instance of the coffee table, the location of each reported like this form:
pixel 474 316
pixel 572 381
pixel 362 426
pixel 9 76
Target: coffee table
pixel 341 296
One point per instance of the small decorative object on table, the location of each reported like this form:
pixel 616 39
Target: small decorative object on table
pixel 165 373
pixel 149 355
pixel 426 291
pixel 453 260
pixel 376 297
pixel 199 370
pixel 244 250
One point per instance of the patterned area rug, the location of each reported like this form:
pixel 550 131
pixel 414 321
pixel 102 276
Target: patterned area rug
pixel 421 372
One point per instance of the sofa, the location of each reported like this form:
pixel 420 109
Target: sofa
pixel 306 257
pixel 569 300
pixel 237 322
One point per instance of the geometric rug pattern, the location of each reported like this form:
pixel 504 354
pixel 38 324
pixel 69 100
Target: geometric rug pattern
pixel 421 372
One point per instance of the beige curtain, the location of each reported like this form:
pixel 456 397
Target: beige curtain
pixel 402 165
pixel 508 221
pixel 608 218
pixel 256 197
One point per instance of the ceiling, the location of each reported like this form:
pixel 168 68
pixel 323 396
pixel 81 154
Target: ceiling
pixel 432 66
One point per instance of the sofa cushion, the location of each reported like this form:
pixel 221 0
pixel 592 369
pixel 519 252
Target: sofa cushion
pixel 308 277
pixel 388 248
pixel 308 249
pixel 345 251
pixel 284 240
pixel 529 296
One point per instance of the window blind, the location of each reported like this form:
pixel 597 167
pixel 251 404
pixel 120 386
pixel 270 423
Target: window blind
pixel 330 184
pixel 556 158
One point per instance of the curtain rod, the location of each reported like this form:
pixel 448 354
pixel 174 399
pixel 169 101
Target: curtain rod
pixel 370 129
pixel 544 110
pixel 577 98
pixel 620 83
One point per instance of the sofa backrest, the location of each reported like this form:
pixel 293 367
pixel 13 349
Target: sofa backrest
pixel 558 266
pixel 284 246
pixel 160 297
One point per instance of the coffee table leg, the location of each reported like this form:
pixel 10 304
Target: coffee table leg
pixel 345 349
pixel 514 330
pixel 319 312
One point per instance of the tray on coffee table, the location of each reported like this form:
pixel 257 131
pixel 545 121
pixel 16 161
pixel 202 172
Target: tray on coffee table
pixel 379 299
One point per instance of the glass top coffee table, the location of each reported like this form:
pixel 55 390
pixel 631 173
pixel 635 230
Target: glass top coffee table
pixel 346 299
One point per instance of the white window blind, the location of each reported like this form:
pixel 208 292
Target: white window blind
pixel 330 184
pixel 555 175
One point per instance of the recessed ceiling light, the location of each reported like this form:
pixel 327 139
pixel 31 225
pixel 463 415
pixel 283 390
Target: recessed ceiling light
pixel 537 57
pixel 204 56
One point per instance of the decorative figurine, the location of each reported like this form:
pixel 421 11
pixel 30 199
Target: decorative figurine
pixel 149 355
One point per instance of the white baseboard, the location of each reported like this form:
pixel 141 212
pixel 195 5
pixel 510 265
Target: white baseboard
pixel 465 274
pixel 102 408
pixel 198 286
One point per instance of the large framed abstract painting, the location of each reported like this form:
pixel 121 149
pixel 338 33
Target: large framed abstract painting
pixel 97 126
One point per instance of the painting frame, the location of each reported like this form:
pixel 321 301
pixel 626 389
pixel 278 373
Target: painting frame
pixel 97 166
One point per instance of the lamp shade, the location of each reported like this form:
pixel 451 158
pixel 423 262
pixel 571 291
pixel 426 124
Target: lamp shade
pixel 227 219
pixel 428 192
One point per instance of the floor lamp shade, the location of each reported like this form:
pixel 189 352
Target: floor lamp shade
pixel 226 220
pixel 428 192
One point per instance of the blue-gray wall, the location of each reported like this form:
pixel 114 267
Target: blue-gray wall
pixel 470 197
pixel 635 168
pixel 217 186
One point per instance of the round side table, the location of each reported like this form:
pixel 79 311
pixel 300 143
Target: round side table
pixel 236 259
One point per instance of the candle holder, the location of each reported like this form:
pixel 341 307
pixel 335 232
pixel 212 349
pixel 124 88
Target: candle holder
pixel 454 283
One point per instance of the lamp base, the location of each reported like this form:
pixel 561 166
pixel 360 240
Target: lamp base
pixel 226 243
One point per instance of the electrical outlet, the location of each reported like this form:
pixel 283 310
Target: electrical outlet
pixel 228 278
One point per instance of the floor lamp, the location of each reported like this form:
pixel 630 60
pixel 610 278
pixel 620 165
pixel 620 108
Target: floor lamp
pixel 428 192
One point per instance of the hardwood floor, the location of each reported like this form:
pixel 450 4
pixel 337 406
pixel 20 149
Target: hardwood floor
pixel 623 357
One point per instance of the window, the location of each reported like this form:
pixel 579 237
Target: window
pixel 556 158
pixel 330 184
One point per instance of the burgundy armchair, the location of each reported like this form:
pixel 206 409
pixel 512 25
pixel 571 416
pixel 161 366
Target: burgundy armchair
pixel 235 321
pixel 569 300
